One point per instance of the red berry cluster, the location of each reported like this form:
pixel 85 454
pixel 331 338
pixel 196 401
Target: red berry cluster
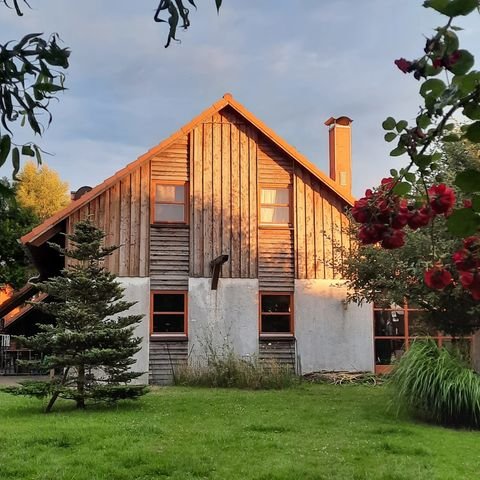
pixel 467 262
pixel 383 214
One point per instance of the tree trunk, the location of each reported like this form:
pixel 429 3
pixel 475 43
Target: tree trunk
pixel 81 387
pixel 57 393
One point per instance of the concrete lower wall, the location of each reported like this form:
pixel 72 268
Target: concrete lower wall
pixel 331 335
pixel 222 318
pixel 138 290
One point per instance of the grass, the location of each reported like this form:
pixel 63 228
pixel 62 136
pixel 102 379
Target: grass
pixel 436 384
pixel 309 432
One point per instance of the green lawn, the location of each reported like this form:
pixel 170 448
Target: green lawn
pixel 311 432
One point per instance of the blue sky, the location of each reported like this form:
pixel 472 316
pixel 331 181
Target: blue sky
pixel 293 64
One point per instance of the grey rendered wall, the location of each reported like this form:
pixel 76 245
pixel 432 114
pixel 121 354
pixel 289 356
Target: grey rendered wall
pixel 224 317
pixel 330 335
pixel 137 289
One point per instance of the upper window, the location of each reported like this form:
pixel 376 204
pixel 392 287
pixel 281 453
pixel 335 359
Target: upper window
pixel 169 203
pixel 276 313
pixel 169 313
pixel 275 205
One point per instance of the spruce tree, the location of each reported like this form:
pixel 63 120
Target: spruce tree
pixel 89 345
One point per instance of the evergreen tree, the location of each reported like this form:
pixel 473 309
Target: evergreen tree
pixel 89 341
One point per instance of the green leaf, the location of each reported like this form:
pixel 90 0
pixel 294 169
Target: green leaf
pixel 472 111
pixel 431 71
pixel 433 87
pixel 463 222
pixel 390 136
pixel 218 3
pixel 396 152
pixel 451 41
pixel 48 87
pixel 463 64
pixel 451 138
pixel 423 121
pixel 5 144
pixel 28 151
pixel 402 188
pixel 389 123
pixel 422 161
pixel 467 83
pixel 38 154
pixel 410 177
pixel 15 162
pixel 401 125
pixel 473 132
pixel 468 181
pixel 452 8
pixel 476 203
pixel 393 173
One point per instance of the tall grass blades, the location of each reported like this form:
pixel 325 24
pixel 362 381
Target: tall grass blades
pixel 437 385
pixel 230 370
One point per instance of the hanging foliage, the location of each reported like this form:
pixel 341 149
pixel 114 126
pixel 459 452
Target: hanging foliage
pixel 174 11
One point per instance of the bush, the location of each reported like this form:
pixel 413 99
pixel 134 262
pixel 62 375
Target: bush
pixel 231 371
pixel 437 385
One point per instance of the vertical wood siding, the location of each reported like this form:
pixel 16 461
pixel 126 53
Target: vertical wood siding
pixel 225 161
pixel 321 228
pixel 122 212
pixel 224 196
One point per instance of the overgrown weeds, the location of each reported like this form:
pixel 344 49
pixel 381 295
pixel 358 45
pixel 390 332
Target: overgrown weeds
pixel 231 371
pixel 437 385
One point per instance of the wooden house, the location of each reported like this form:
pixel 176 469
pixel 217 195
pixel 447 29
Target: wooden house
pixel 228 239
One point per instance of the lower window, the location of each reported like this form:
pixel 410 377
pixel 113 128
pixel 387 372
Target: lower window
pixel 276 313
pixel 169 313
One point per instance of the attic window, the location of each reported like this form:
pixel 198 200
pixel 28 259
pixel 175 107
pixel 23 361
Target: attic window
pixel 275 205
pixel 169 202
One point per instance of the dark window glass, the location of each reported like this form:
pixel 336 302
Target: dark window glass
pixel 389 323
pixel 169 302
pixel 387 351
pixel 275 303
pixel 275 323
pixel 169 323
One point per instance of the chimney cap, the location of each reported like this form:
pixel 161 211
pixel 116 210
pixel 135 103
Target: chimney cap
pixel 345 121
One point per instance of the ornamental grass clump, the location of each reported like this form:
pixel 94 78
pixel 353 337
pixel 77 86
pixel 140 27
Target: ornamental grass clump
pixel 437 385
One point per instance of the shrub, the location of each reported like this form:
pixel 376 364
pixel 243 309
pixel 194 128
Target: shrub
pixel 231 371
pixel 437 385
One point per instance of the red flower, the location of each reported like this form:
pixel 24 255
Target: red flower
pixel 437 62
pixel 471 281
pixel 442 198
pixel 369 234
pixel 472 243
pixel 463 260
pixel 392 238
pixel 404 65
pixel 467 203
pixel 361 211
pixel 419 218
pixel 437 277
pixel 387 183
